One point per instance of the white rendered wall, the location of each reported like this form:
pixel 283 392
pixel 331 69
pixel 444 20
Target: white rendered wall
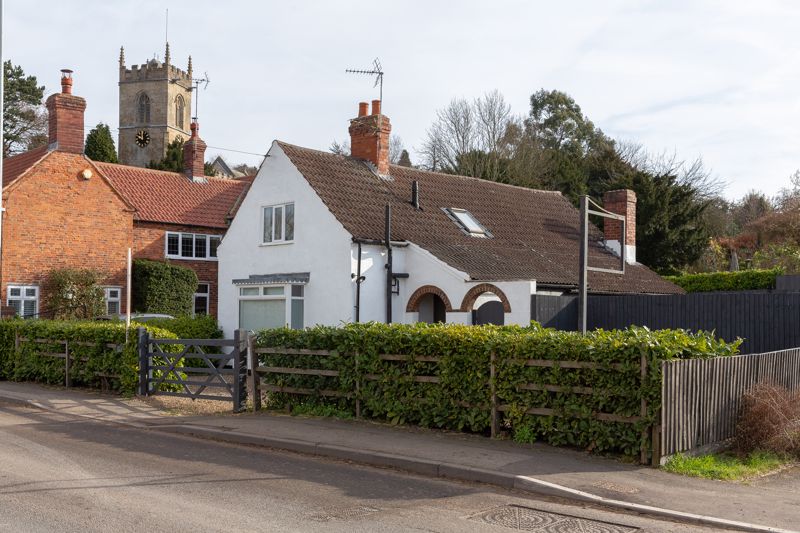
pixel 321 246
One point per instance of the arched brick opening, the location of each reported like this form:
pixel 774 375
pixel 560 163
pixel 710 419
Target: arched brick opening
pixel 477 290
pixel 413 302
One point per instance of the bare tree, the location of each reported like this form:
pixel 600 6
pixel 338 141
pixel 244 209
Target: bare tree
pixel 470 137
pixel 395 149
pixel 339 148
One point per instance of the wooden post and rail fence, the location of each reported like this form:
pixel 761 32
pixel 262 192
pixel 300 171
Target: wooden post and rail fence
pixel 69 356
pixel 700 398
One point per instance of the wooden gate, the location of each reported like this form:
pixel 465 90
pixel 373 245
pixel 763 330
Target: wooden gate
pixel 165 368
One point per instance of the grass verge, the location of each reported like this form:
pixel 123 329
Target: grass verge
pixel 727 466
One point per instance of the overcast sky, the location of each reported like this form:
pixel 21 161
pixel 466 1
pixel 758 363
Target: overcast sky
pixel 717 79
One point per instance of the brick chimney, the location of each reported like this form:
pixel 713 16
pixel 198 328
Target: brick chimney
pixel 622 202
pixel 65 124
pixel 369 136
pixel 194 155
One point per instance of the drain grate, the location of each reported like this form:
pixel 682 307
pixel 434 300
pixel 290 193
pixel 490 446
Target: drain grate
pixel 346 513
pixel 527 519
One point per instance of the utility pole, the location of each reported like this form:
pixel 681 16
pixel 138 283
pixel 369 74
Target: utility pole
pixel 2 138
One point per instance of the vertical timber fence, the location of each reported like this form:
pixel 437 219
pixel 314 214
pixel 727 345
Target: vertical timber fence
pixel 767 321
pixel 701 397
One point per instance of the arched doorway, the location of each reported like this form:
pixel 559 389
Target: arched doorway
pixel 431 304
pixel 488 309
pixel 432 309
pixel 487 303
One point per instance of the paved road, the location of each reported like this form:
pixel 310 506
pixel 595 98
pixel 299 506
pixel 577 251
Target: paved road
pixel 59 473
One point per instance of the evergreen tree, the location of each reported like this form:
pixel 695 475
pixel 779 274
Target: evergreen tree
pixel 405 159
pixel 24 119
pixel 173 160
pixel 100 145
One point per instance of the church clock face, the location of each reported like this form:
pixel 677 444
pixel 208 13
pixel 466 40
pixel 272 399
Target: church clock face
pixel 142 138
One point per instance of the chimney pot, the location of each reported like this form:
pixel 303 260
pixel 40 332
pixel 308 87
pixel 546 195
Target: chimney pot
pixel 369 136
pixel 65 117
pixel 194 155
pixel 66 81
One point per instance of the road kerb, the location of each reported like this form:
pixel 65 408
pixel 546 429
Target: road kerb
pixel 424 467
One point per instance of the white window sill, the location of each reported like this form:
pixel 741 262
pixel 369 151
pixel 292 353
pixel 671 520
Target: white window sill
pixel 278 243
pixel 179 258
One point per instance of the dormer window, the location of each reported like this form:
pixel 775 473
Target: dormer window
pixel 467 222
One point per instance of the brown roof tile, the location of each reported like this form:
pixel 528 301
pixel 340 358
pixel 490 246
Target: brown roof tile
pixel 170 197
pixel 535 233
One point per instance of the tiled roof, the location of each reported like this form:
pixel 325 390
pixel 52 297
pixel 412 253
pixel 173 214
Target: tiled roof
pixel 535 233
pixel 171 198
pixel 14 167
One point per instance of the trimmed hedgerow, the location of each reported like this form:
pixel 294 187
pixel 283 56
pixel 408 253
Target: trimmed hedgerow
pixel 160 287
pixel 28 363
pixel 186 327
pixel 743 280
pixel 462 397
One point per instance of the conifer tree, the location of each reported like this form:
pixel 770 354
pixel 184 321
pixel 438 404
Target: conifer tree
pixel 100 145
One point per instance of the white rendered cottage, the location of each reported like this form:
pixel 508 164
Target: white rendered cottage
pixel 307 245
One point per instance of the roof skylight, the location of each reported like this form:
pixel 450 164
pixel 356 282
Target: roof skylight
pixel 467 221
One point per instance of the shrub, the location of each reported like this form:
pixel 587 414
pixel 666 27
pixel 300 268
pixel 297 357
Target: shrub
pixel 160 287
pixel 769 419
pixel 727 281
pixel 461 398
pixel 186 327
pixel 28 364
pixel 74 294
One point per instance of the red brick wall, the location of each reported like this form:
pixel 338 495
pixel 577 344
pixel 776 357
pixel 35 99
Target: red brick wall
pixel 56 219
pixel 149 242
pixel 621 202
pixel 369 138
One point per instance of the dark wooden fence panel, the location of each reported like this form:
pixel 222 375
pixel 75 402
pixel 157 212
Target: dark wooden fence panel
pixel 767 321
pixel 559 312
pixel 701 397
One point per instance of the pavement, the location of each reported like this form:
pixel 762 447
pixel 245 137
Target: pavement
pixel 767 504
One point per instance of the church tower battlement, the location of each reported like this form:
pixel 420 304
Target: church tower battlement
pixel 155 102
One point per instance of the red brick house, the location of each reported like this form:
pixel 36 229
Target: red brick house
pixel 65 211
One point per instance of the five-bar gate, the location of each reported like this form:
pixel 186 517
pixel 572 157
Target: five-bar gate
pixel 209 369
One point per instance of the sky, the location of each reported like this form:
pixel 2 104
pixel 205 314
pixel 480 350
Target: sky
pixel 711 79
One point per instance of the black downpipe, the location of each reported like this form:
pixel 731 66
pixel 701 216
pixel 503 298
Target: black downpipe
pixel 388 238
pixel 358 285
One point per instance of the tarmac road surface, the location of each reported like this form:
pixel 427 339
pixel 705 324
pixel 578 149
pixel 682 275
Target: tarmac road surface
pixel 62 473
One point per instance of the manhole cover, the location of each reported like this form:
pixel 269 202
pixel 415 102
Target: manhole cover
pixel 346 513
pixel 527 519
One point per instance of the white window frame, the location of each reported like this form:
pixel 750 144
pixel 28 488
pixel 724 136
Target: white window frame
pixel 283 239
pixel 109 299
pixel 23 297
pixel 195 236
pixel 287 296
pixel 206 295
pixel 468 222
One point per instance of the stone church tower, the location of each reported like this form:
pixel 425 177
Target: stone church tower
pixel 155 102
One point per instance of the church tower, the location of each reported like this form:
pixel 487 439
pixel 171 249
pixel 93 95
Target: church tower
pixel 155 102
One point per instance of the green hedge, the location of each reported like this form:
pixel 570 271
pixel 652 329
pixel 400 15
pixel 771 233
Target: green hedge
pixel 28 364
pixel 160 287
pixel 743 280
pixel 186 327
pixel 461 399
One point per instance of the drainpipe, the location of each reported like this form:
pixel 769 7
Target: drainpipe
pixel 359 279
pixel 388 240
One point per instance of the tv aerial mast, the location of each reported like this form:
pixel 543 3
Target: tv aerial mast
pixel 377 71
